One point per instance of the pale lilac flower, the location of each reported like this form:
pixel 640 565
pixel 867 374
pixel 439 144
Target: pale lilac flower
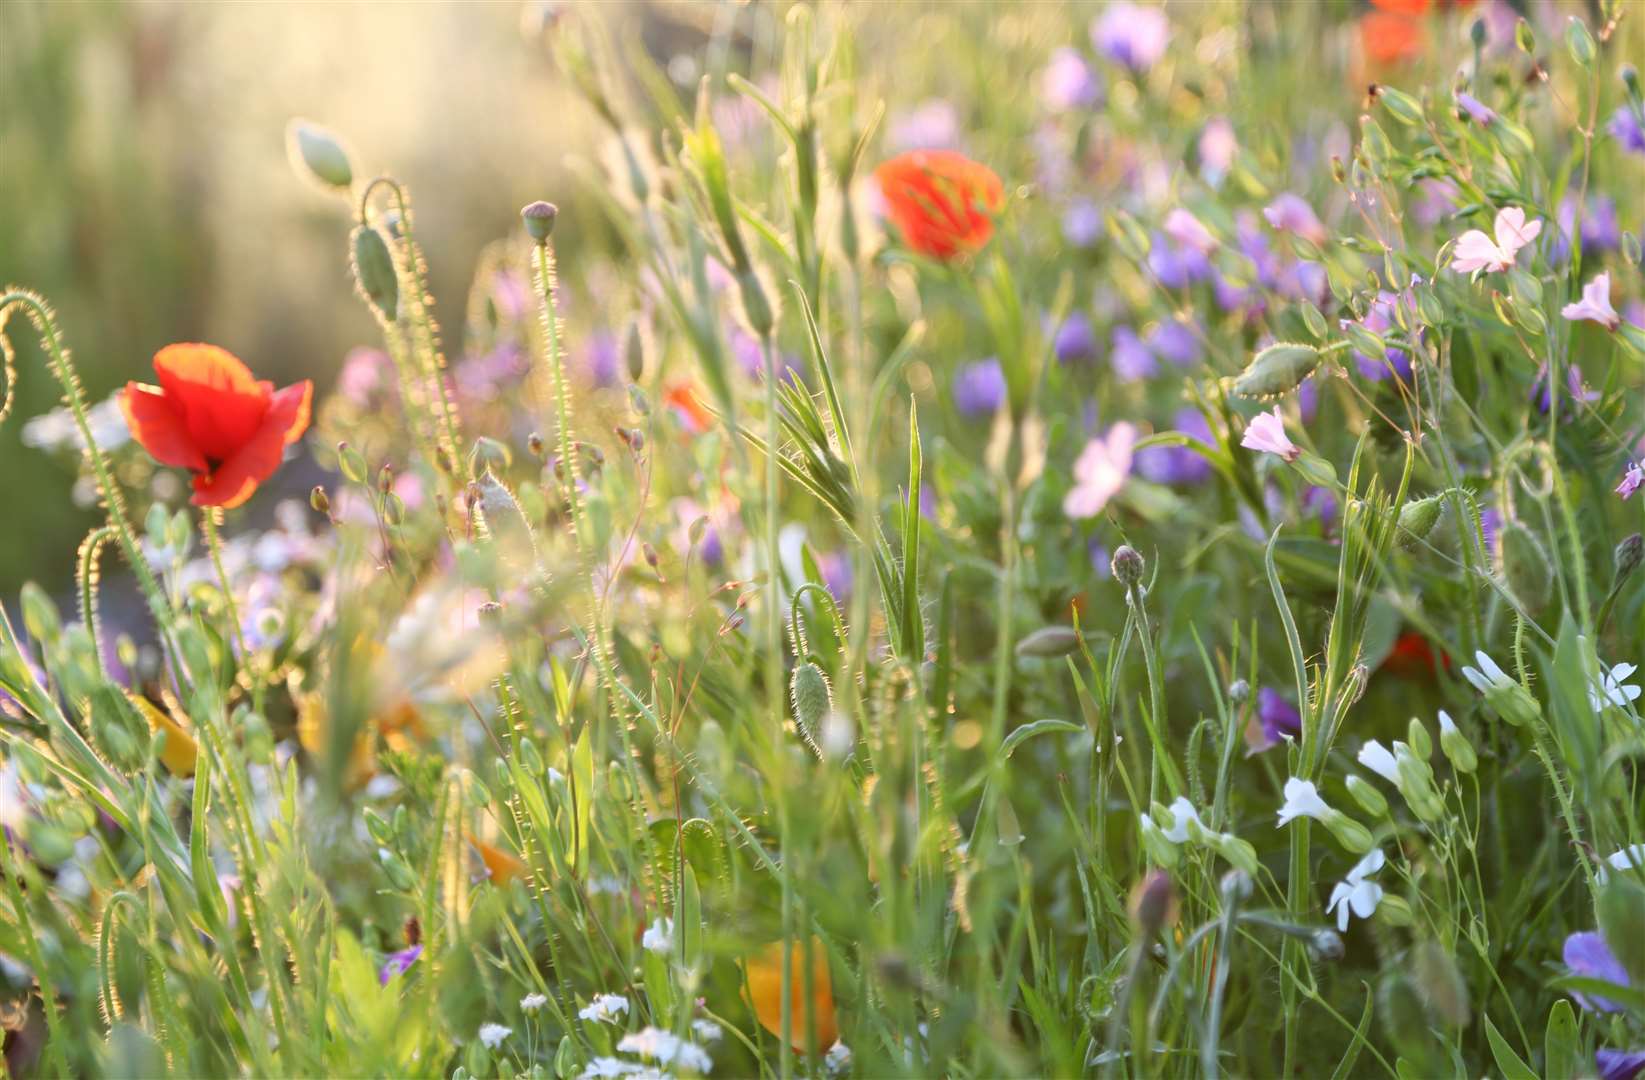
pixel 1601 227
pixel 1302 800
pixel 1354 893
pixel 1173 340
pixel 1187 230
pixel 933 124
pixel 1131 35
pixel 1178 464
pixel 605 1067
pixel 1082 224
pixel 395 963
pixel 1626 129
pixel 1542 389
pixel 604 1009
pixel 1291 213
pixel 1101 471
pixel 1586 954
pixel 1380 760
pixel 1595 305
pixel 979 388
pixel 665 1048
pixel 1476 251
pixel 1266 434
pixel 1477 110
pixel 1217 147
pixel 1177 265
pixel 1076 339
pixel 494 1034
pixel 659 936
pixel 1631 480
pixel 1128 357
pixel 1067 82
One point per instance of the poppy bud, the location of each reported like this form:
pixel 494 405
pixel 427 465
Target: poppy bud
pixel 1628 555
pixel 634 352
pixel 320 152
pixel 1152 903
pixel 488 454
pixel 1417 519
pixel 1276 370
pixel 1477 33
pixel 539 220
pixel 1127 565
pixel 319 501
pixel 374 271
pixel 1049 641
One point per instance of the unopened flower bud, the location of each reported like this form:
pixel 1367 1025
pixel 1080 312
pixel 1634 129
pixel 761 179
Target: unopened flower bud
pixel 1417 519
pixel 634 352
pixel 374 271
pixel 319 501
pixel 1127 566
pixel 1239 691
pixel 320 153
pixel 1421 745
pixel 539 220
pixel 1415 781
pixel 1326 944
pixel 1049 641
pixel 1349 833
pixel 1629 554
pixel 534 443
pixel 1152 903
pixel 1367 796
pixel 1477 32
pixel 1455 745
pixel 488 455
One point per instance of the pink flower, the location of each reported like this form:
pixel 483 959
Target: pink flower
pixel 1185 229
pixel 1476 251
pixel 1595 305
pixel 1266 433
pixel 1631 480
pixel 1101 471
pixel 1291 213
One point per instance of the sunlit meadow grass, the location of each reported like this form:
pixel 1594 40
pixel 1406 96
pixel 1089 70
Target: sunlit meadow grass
pixel 1128 570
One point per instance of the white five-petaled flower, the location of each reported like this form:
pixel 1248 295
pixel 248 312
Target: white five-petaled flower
pixel 1488 676
pixel 1266 433
pixel 659 936
pixel 1380 760
pixel 1100 471
pixel 604 1068
pixel 665 1048
pixel 1302 800
pixel 1595 305
pixel 494 1034
pixel 532 1002
pixel 604 1009
pixel 1354 893
pixel 1625 859
pixel 1476 251
pixel 1182 812
pixel 1610 689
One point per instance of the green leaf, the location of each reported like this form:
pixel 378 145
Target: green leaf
pixel 1513 1068
pixel 913 626
pixel 1561 1055
pixel 1029 730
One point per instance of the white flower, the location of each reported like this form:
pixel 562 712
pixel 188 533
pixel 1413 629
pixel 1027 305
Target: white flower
pixel 666 1048
pixel 603 1068
pixel 494 1034
pixel 1380 760
pixel 1446 724
pixel 532 1002
pixel 1488 677
pixel 1610 689
pixel 1302 800
pixel 604 1009
pixel 1355 893
pixel 1626 859
pixel 838 1058
pixel 659 936
pixel 1182 812
pixel 707 1030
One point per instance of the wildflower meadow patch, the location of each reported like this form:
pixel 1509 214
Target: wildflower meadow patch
pixel 968 540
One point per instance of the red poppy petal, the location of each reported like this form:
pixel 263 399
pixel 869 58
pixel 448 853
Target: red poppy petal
pixel 221 404
pixel 157 427
pixel 233 482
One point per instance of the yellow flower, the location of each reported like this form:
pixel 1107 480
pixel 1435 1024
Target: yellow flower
pixel 765 993
pixel 179 752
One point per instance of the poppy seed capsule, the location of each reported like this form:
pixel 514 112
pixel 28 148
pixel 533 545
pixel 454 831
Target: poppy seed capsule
pixel 1276 370
pixel 539 220
pixel 1127 566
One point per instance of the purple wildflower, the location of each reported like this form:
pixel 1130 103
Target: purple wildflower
pixel 600 360
pixel 1320 502
pixel 1632 481
pixel 1587 955
pixel 835 567
pixel 1076 339
pixel 1217 147
pixel 1291 213
pixel 1573 383
pixel 365 371
pixel 1379 319
pixel 1275 719
pixel 1175 342
pixel 1101 561
pixel 1178 465
pixel 1619 1064
pixel 484 377
pixel 1175 265
pixel 511 294
pixel 1129 357
pixel 1131 35
pixel 1067 82
pixel 979 388
pixel 933 124
pixel 1082 224
pixel 1476 110
pixel 1627 129
pixel 396 963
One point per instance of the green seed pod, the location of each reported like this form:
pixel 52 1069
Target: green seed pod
pixel 634 352
pixel 1313 319
pixel 1417 519
pixel 1349 833
pixel 1367 796
pixel 1524 565
pixel 1276 370
pixel 1406 109
pixel 1525 37
pixel 398 872
pixel 1621 911
pixel 1579 41
pixel 1049 641
pixel 812 699
pixel 374 271
pixel 539 218
pixel 1374 143
pixel 320 153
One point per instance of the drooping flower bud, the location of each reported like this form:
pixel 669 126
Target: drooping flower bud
pixel 374 271
pixel 1629 553
pixel 320 152
pixel 1152 903
pixel 539 220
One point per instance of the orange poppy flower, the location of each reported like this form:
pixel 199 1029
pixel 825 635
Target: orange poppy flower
pixel 1390 37
pixel 209 416
pixel 941 201
pixel 503 866
pixel 765 993
pixel 693 414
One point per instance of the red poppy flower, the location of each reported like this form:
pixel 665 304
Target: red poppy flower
pixel 1412 657
pixel 209 416
pixel 941 201
pixel 1390 37
pixel 689 408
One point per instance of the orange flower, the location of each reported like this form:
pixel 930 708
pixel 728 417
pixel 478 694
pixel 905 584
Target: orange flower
pixel 1390 37
pixel 941 201
pixel 503 866
pixel 693 414
pixel 765 993
pixel 209 416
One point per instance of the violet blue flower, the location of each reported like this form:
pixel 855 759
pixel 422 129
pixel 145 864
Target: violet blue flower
pixel 1067 82
pixel 1291 213
pixel 1477 110
pixel 1076 339
pixel 1176 266
pixel 1188 231
pixel 1626 128
pixel 979 388
pixel 1379 319
pixel 1540 390
pixel 1173 341
pixel 1320 502
pixel 1131 35
pixel 1101 561
pixel 1601 229
pixel 601 358
pixel 1278 717
pixel 1082 224
pixel 1619 1064
pixel 1129 358
pixel 396 963
pixel 1586 954
pixel 1178 465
